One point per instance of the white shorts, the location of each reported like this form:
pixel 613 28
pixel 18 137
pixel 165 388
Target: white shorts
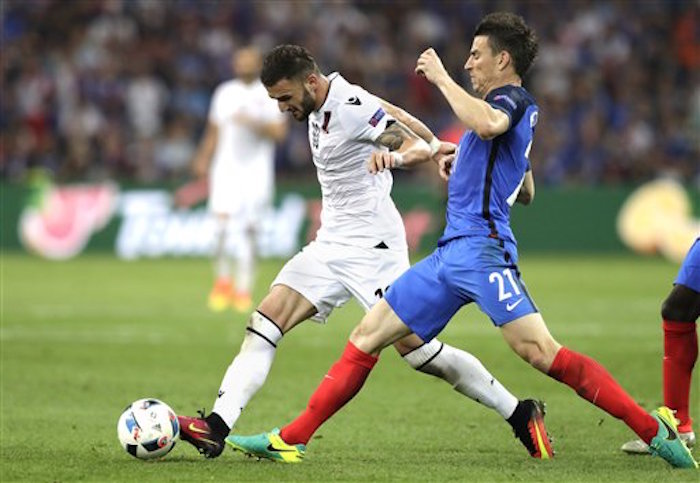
pixel 329 274
pixel 245 204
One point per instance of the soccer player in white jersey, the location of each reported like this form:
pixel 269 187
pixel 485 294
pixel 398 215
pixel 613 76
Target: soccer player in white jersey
pixel 359 250
pixel 237 154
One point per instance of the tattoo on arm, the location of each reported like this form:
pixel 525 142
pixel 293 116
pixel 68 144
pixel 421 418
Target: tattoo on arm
pixel 394 136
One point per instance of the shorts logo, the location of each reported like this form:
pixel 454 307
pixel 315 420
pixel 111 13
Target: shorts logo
pixel 376 117
pixel 510 307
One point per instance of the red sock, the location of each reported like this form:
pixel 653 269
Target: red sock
pixel 342 382
pixel 595 384
pixel 680 354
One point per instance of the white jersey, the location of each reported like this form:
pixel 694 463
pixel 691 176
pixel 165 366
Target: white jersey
pixel 357 205
pixel 243 161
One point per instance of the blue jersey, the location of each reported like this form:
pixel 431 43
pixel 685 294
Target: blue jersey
pixel 689 274
pixel 488 174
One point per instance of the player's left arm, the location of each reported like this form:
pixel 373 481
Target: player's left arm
pixel 527 191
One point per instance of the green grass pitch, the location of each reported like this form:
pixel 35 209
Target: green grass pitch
pixel 80 340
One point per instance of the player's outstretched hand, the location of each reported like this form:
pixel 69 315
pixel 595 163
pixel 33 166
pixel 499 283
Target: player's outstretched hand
pixel 430 66
pixel 381 160
pixel 444 158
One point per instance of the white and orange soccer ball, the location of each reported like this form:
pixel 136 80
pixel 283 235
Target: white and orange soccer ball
pixel 148 428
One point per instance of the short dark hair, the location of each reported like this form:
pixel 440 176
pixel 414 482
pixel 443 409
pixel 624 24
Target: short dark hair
pixel 287 62
pixel 508 31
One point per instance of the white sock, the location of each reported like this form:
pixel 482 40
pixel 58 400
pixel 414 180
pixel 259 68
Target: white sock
pixel 245 263
pixel 249 369
pixel 222 267
pixel 465 373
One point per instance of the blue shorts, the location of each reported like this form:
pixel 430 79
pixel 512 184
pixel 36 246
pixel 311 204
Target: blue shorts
pixel 464 270
pixel 689 274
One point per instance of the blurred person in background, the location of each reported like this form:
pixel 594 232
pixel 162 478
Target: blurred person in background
pixel 237 154
pixel 680 312
pixel 359 250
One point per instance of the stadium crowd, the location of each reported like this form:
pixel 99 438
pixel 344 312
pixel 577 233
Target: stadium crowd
pixel 121 89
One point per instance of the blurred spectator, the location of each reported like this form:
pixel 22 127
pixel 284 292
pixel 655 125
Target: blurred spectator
pixel 113 88
pixel 173 153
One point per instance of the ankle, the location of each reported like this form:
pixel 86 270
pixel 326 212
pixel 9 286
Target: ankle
pixel 217 425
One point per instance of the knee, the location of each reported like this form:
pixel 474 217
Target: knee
pixel 674 308
pixel 365 337
pixel 360 333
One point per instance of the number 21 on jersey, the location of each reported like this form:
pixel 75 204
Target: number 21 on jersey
pixel 500 278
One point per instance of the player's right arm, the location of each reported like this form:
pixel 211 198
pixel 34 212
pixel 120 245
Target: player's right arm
pixel 205 151
pixel 476 114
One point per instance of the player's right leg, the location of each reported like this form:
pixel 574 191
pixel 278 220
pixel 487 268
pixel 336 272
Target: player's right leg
pixel 528 337
pixel 281 310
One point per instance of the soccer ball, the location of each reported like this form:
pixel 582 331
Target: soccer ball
pixel 148 428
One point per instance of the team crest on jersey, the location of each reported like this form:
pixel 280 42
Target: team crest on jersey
pixel 533 119
pixel 315 133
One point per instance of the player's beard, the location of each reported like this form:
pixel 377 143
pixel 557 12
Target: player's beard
pixel 307 106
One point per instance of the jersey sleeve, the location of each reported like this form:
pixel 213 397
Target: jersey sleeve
pixel 509 100
pixel 362 116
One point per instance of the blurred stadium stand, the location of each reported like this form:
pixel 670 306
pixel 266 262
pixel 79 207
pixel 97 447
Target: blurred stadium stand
pixel 120 89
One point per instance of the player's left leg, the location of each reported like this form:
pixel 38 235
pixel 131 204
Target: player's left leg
pixel 464 372
pixel 529 337
pixel 468 376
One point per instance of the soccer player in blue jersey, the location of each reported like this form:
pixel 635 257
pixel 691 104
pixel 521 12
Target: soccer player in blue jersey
pixel 476 259
pixel 680 312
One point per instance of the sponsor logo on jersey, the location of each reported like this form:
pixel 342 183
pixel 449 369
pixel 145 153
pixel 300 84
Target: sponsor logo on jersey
pixel 354 101
pixel 376 117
